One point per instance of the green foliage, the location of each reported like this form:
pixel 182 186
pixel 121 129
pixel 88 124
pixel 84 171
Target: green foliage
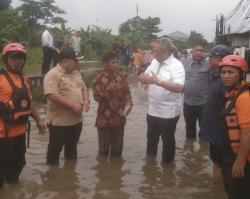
pixel 138 30
pixel 197 38
pixel 12 27
pixel 35 12
pixel 95 41
pixel 37 94
pixel 34 61
pixel 63 34
pixel 4 4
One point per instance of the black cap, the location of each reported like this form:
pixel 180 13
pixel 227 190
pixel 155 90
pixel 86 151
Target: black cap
pixel 220 50
pixel 67 53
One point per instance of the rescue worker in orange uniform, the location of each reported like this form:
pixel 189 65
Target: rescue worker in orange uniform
pixel 236 128
pixel 15 108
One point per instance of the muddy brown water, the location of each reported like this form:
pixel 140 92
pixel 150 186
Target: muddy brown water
pixel 132 176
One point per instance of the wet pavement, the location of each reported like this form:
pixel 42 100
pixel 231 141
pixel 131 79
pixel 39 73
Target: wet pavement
pixel 132 176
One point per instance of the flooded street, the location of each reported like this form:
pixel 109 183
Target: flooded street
pixel 132 176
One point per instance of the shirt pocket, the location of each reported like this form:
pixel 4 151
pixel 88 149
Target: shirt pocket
pixel 65 84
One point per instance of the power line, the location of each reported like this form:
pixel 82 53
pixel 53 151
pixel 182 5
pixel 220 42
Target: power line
pixel 237 19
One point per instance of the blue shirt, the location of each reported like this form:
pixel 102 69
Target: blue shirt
pixel 210 129
pixel 196 81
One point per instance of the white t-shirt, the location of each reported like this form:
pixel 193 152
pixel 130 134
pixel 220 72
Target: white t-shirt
pixel 47 39
pixel 75 43
pixel 162 102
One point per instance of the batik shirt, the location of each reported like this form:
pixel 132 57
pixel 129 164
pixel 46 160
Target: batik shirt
pixel 111 103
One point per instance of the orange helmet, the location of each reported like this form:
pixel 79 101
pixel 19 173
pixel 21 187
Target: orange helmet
pixel 14 47
pixel 235 61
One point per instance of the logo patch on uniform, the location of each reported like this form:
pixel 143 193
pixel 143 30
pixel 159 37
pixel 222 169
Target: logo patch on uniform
pixel 24 103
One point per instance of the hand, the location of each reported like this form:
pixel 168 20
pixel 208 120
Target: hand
pixel 148 79
pixel 238 168
pixel 41 127
pixel 155 79
pixel 114 87
pixel 85 105
pixel 77 108
pixel 129 108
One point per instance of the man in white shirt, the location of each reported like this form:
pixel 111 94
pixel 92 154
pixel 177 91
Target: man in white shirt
pixel 165 78
pixel 48 47
pixel 76 43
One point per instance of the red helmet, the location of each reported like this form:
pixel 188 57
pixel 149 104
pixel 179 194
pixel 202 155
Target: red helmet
pixel 234 61
pixel 14 47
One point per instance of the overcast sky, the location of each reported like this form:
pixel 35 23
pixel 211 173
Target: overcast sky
pixel 182 15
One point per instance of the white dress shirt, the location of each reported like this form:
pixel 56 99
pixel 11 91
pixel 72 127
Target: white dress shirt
pixel 162 102
pixel 47 39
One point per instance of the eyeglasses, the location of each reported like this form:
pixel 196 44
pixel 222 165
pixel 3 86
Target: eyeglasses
pixel 16 55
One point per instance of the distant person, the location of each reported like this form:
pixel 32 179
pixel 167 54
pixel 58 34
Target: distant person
pixel 125 56
pixel 76 43
pixel 137 61
pixel 15 109
pixel 48 47
pixel 236 128
pixel 146 61
pixel 195 89
pixel 184 56
pixel 68 98
pixel 111 91
pixel 58 44
pixel 210 130
pixel 164 78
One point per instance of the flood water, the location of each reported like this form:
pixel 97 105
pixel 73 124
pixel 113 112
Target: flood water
pixel 132 176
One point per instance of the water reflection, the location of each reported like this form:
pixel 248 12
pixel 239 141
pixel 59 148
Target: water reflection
pixel 59 182
pixel 133 176
pixel 158 178
pixel 109 174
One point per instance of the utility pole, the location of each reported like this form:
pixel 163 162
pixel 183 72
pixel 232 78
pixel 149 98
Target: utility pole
pixel 137 10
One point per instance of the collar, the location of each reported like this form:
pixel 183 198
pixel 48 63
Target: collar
pixel 168 60
pixel 110 72
pixel 198 62
pixel 62 70
pixel 235 90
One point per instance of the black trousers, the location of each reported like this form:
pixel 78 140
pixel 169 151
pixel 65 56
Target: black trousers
pixel 12 158
pixel 63 136
pixel 236 188
pixel 166 129
pixel 49 54
pixel 191 115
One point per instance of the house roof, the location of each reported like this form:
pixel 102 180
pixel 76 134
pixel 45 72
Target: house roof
pixel 178 35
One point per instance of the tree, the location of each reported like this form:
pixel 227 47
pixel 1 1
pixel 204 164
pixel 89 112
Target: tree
pixel 50 12
pixel 4 4
pixel 137 30
pixel 96 39
pixel 12 27
pixel 150 27
pixel 35 12
pixel 196 38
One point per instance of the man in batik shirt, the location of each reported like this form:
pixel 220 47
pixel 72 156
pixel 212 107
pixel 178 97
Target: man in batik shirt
pixel 111 90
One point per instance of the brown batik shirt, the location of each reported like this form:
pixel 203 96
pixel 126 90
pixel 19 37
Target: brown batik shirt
pixel 111 103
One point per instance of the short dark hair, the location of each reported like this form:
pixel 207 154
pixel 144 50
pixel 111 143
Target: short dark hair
pixel 67 53
pixel 199 43
pixel 108 56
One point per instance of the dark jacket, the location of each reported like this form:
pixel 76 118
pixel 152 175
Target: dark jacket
pixel 210 129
